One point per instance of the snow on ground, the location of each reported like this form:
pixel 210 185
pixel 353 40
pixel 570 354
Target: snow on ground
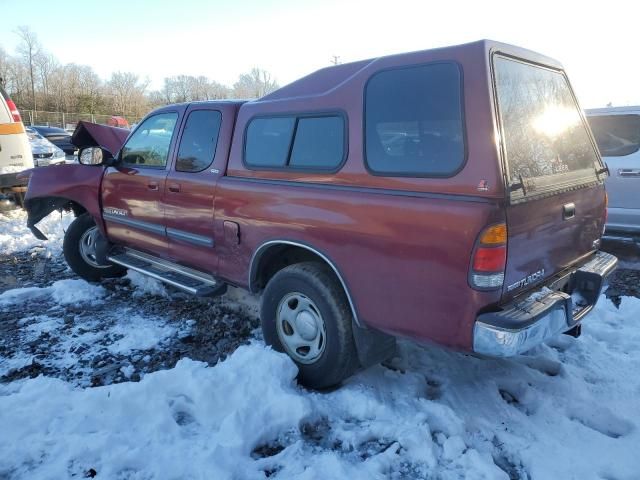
pixel 15 236
pixel 569 409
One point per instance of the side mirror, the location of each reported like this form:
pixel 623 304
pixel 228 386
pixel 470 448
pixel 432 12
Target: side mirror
pixel 95 156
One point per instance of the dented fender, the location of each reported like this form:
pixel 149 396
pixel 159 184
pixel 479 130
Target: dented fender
pixel 75 187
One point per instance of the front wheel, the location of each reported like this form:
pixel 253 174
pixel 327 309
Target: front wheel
pixel 79 248
pixel 305 314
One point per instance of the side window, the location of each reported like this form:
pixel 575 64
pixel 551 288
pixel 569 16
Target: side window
pixel 413 121
pixel 318 143
pixel 268 141
pixel 149 145
pixel 199 140
pixel 311 142
pixel 616 135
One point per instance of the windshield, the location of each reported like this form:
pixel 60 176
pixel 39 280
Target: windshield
pixel 544 134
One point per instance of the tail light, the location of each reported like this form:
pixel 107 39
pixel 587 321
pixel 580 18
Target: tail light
pixel 15 114
pixel 489 258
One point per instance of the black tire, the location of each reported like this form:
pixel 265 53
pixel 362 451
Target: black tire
pixel 315 281
pixel 75 260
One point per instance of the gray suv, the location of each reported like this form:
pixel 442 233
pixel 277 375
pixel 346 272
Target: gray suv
pixel 617 132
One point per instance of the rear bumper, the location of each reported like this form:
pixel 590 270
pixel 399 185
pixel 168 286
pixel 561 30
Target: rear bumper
pixel 527 322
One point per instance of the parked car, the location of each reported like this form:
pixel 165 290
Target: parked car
pixel 44 152
pixel 60 138
pixel 15 153
pixel 617 132
pixel 365 201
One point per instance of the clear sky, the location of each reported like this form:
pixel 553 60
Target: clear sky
pixel 599 43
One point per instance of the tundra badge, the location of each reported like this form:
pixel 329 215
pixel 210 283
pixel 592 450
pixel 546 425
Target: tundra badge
pixel 528 280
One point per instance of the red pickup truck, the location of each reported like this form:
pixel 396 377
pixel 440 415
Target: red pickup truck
pixel 452 195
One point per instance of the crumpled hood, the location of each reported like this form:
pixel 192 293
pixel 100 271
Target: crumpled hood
pixel 89 134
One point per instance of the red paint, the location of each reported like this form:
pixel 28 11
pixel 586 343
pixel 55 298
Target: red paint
pixel 403 249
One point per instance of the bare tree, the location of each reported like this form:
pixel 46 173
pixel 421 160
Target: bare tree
pixel 128 93
pixel 45 64
pixel 28 49
pixel 4 66
pixel 255 84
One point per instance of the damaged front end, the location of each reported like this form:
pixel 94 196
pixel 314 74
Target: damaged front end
pixel 72 187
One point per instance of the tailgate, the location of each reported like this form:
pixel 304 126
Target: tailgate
pixel 543 237
pixel 556 201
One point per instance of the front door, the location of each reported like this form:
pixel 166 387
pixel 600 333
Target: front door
pixel 132 190
pixel 190 190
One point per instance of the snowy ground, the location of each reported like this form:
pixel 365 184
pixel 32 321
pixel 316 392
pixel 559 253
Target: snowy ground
pixel 129 380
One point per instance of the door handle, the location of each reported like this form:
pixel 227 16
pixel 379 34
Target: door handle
pixel 152 185
pixel 629 172
pixel 568 211
pixel 174 187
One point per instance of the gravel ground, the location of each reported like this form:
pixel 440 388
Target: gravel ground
pixel 626 279
pixel 82 351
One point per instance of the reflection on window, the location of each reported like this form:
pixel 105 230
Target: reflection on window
pixel 199 139
pixel 268 141
pixel 319 143
pixel 542 128
pixel 414 121
pixel 616 135
pixel 149 144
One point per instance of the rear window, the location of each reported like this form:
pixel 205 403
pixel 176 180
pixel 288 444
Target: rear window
pixel 616 135
pixel 298 142
pixel 545 138
pixel 413 121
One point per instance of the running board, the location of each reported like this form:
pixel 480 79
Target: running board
pixel 191 281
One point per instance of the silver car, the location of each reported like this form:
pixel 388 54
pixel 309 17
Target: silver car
pixel 617 133
pixel 44 152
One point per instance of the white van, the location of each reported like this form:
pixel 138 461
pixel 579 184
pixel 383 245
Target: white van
pixel 15 151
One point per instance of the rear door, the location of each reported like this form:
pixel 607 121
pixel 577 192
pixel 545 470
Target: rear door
pixel 132 191
pixel 618 138
pixel 191 185
pixel 556 204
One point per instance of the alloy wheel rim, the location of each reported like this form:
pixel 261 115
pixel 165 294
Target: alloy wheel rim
pixel 88 247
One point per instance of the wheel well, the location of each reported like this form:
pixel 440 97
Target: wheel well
pixel 40 207
pixel 270 259
pixel 277 257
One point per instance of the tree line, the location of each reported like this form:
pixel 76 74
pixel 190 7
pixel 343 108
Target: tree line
pixel 36 80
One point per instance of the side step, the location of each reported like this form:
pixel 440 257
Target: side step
pixel 191 281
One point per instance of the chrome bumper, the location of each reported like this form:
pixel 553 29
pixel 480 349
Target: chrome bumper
pixel 527 322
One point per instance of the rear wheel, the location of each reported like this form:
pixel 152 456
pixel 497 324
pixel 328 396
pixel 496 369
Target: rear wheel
pixel 305 314
pixel 79 248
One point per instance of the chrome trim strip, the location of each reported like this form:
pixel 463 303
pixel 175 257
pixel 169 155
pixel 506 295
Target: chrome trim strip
pixel 258 251
pixel 193 238
pixel 129 222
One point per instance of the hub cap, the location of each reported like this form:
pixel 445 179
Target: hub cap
pixel 88 247
pixel 300 328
